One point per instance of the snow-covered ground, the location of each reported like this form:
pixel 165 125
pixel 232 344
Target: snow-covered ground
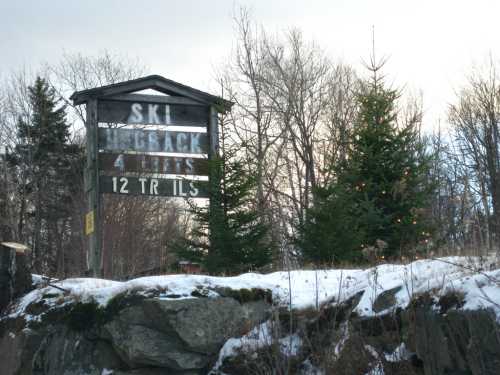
pixel 304 288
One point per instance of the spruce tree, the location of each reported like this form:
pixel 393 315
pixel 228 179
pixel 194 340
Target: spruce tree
pixel 333 227
pixel 228 236
pixel 380 191
pixel 47 166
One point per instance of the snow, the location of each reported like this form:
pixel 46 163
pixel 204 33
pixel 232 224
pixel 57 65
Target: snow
pixel 399 354
pixel 38 280
pixel 309 288
pixel 259 337
pixel 377 370
pixel 344 328
pixel 290 345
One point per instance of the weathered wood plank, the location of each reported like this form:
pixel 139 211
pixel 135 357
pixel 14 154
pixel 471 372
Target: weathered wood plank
pixel 146 113
pixel 158 99
pixel 140 163
pixel 145 140
pixel 92 190
pixel 148 186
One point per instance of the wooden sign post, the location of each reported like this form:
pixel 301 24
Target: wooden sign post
pixel 132 148
pixel 91 181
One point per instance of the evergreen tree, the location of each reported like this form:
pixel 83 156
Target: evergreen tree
pixel 47 167
pixel 333 227
pixel 228 236
pixel 380 191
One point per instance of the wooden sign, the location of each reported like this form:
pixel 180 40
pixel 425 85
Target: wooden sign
pixel 141 163
pixel 153 186
pixel 120 161
pixel 145 140
pixel 148 113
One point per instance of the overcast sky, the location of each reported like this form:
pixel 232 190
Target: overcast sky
pixel 431 44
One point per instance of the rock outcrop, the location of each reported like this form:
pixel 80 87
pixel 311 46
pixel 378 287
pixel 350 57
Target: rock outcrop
pixel 133 335
pixel 429 337
pixel 455 342
pixel 392 319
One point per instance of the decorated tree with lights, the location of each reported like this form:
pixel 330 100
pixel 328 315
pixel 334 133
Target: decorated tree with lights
pixel 379 197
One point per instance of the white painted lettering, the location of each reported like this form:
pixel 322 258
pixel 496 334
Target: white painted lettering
pixel 189 165
pixel 143 184
pixel 153 188
pixel 140 140
pixel 167 114
pixel 168 143
pixel 120 163
pixel 178 163
pixel 181 191
pixel 181 143
pixel 153 144
pixel 195 143
pixel 136 115
pixel 155 163
pixel 124 182
pixel 125 139
pixel 153 114
pixel 193 190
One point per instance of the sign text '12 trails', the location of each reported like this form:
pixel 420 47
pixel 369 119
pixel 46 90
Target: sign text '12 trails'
pixel 153 186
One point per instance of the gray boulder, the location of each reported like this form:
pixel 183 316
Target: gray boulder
pixel 136 336
pixel 456 342
pixel 180 334
pixel 386 299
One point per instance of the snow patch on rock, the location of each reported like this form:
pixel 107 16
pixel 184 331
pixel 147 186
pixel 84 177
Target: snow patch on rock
pixel 309 288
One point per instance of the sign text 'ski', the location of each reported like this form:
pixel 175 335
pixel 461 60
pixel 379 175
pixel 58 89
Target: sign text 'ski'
pixel 133 160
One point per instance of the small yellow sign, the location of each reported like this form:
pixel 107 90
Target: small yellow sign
pixel 89 223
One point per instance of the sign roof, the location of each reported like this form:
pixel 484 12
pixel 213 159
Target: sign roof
pixel 155 82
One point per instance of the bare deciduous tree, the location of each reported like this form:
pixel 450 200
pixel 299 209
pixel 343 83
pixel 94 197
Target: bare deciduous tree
pixel 292 118
pixel 252 119
pixel 76 72
pixel 339 118
pixel 475 118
